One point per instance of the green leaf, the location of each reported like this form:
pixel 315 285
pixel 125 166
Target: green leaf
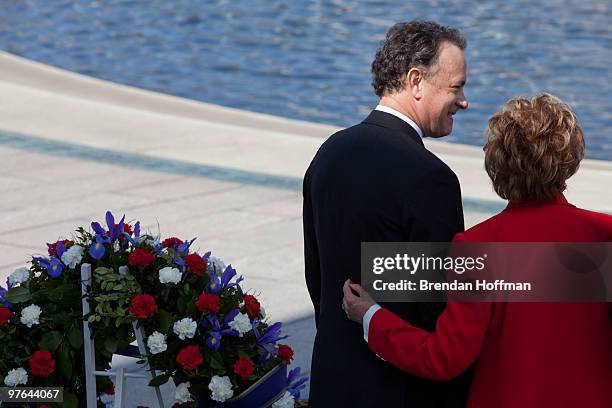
pixel 56 294
pixel 159 380
pixel 110 344
pixel 182 304
pixel 75 337
pixel 65 364
pixel 70 400
pixel 165 320
pixel 18 295
pixel 71 294
pixel 50 341
pixel 40 296
pixel 102 271
pixel 216 361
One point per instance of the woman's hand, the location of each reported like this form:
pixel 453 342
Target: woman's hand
pixel 356 301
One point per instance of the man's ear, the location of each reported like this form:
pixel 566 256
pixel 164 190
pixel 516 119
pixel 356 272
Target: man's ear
pixel 414 82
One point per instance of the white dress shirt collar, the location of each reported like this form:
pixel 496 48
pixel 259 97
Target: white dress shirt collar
pixel 400 115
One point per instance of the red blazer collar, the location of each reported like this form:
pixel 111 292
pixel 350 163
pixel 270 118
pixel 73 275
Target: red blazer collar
pixel 559 200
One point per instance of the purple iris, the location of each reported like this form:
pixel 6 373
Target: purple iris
pixel 179 262
pixel 97 250
pixel 184 247
pixel 179 250
pixel 114 231
pixel 3 301
pixel 53 266
pixel 294 387
pixel 216 284
pixel 214 340
pixel 218 331
pixel 59 249
pixel 270 336
pixel 227 276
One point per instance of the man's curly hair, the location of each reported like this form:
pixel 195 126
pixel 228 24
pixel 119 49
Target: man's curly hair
pixel 414 44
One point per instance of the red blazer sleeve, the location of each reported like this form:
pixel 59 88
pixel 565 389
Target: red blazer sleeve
pixel 441 355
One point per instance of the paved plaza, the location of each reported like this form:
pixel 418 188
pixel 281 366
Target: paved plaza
pixel 73 147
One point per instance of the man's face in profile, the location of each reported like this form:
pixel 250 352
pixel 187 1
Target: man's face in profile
pixel 443 91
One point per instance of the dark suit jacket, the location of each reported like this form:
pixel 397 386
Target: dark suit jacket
pixel 372 182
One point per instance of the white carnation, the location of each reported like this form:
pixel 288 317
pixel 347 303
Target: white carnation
pixel 221 388
pixel 157 343
pixel 73 256
pixel 107 399
pixel 241 323
pixel 185 328
pixel 182 393
pixel 286 401
pixel 215 264
pixel 262 312
pixel 15 377
pixel 30 315
pixel 19 276
pixel 169 275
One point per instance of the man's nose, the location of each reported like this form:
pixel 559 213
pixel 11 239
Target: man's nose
pixel 462 102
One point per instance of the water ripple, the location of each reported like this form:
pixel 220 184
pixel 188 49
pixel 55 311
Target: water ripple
pixel 310 59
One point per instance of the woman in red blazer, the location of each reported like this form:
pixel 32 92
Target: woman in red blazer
pixel 524 354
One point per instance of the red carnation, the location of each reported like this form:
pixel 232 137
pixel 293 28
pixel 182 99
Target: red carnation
pixel 41 364
pixel 5 315
pixel 171 242
pixel 196 264
pixel 127 228
pixel 208 302
pixel 52 250
pixel 253 308
pixel 243 367
pixel 143 306
pixel 189 358
pixel 110 390
pixel 140 257
pixel 285 353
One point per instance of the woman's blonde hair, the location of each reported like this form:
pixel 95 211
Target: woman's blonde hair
pixel 532 148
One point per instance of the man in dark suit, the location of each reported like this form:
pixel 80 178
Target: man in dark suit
pixel 377 182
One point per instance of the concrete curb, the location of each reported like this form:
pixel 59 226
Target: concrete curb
pixel 62 106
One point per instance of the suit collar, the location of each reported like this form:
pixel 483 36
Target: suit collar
pixel 389 121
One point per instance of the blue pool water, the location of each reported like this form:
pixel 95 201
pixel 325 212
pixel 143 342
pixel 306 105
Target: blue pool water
pixel 310 60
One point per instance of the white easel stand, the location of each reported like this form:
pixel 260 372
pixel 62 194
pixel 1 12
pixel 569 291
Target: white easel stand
pixel 118 373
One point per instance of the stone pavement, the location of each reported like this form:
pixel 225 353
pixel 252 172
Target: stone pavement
pixel 72 147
